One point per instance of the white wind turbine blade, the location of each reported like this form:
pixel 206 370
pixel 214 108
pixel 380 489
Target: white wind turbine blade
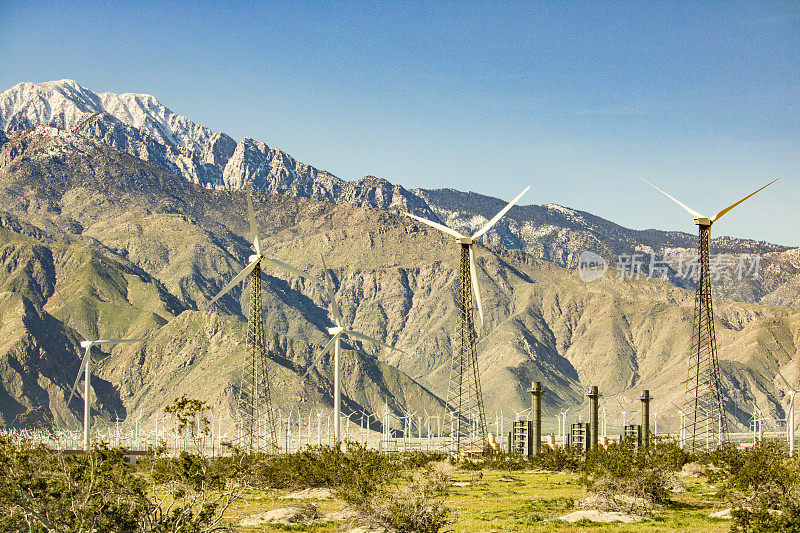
pixel 252 218
pixel 84 362
pixel 473 273
pixel 78 325
pixel 721 213
pixel 440 227
pixel 363 337
pixel 325 350
pixel 499 215
pixel 117 341
pixel 686 207
pixel 784 380
pixel 241 275
pixel 290 268
pixel 337 316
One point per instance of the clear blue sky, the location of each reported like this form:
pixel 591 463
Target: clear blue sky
pixel 578 99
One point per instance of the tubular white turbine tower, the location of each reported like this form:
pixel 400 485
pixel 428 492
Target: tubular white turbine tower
pixel 338 331
pixel 464 396
pixel 86 369
pixel 790 415
pixel 255 402
pixel 704 398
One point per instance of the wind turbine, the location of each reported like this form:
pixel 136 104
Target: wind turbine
pixel 655 420
pixel 703 386
pixel 465 399
pixel 255 403
pixel 624 414
pixel 682 434
pixel 790 415
pixel 337 332
pixel 255 260
pixel 86 368
pixel 563 426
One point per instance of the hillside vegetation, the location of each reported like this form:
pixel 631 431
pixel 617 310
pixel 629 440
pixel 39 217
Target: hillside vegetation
pixel 139 251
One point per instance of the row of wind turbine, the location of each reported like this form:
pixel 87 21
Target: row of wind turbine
pixel 337 331
pixel 704 338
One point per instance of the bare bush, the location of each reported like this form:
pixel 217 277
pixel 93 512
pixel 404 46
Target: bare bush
pixel 622 495
pixel 418 507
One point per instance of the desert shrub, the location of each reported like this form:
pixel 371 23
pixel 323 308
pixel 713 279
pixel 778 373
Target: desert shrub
pixel 558 460
pixel 666 453
pixel 762 476
pixel 353 470
pixel 563 459
pixel 761 520
pixel 643 495
pixel 628 478
pixel 45 490
pixel 190 469
pixel 762 484
pixel 417 507
pixel 413 460
pixel 625 459
pixel 377 485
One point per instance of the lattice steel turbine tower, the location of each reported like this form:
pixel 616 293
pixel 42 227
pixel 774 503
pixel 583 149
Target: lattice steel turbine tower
pixel 464 396
pixel 255 413
pixel 706 423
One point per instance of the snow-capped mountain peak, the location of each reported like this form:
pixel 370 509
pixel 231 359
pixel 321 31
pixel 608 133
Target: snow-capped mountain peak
pixel 144 112
pixel 141 126
pixel 64 103
pixel 59 103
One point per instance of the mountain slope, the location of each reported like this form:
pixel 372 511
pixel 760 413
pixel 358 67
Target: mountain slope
pixel 394 279
pixel 141 126
pixel 66 199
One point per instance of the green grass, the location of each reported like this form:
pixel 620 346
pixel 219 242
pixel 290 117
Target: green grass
pixel 525 501
pixel 522 501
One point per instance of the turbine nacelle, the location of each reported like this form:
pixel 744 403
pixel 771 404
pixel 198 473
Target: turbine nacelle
pixel 255 259
pixel 469 242
pixel 700 219
pixel 86 344
pixel 338 330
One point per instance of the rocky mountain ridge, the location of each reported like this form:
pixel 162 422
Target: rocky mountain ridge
pixel 141 126
pixel 137 245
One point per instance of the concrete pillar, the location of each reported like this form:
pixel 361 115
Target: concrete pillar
pixel 594 418
pixel 645 417
pixel 536 391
